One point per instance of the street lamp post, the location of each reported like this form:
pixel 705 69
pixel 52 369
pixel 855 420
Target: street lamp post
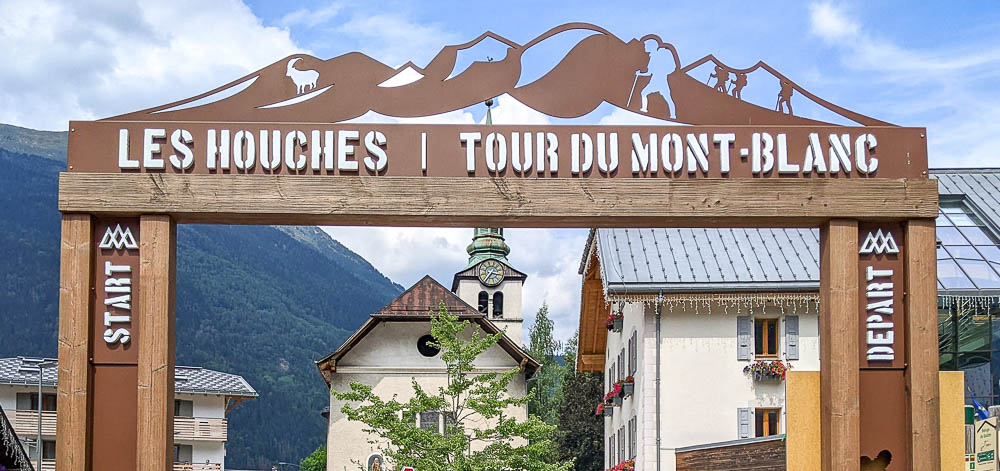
pixel 38 438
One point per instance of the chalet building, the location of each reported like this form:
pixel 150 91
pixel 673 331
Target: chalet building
pixel 706 315
pixel 203 398
pixel 391 349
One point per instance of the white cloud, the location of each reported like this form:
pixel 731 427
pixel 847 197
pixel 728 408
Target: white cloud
pixel 831 23
pixel 944 89
pixel 85 60
pixel 311 18
pixel 394 39
pixel 509 110
pixel 625 117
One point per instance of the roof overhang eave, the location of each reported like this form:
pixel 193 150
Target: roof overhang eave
pixel 622 289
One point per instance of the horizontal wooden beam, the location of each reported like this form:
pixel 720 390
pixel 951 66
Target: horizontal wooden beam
pixel 508 202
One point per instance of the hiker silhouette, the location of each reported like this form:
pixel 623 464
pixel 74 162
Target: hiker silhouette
pixel 721 76
pixel 661 63
pixel 784 97
pixel 738 83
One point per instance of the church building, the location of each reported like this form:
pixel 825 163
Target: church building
pixel 391 348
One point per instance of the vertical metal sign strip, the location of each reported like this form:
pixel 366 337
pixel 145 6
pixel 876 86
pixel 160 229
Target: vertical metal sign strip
pixel 882 315
pixel 74 415
pixel 115 314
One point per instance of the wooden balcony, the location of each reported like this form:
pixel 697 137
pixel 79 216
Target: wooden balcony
pixel 185 428
pixel 200 428
pixel 198 467
pixel 26 423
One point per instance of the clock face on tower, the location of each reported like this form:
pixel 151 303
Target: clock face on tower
pixel 490 272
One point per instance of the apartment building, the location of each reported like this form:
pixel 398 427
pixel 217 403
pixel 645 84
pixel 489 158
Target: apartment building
pixel 203 398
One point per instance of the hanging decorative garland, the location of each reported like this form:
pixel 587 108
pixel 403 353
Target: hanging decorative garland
pixel 731 303
pixel 11 444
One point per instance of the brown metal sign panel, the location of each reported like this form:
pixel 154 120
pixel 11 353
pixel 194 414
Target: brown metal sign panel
pixel 115 405
pixel 882 310
pixel 670 152
pixel 114 297
pixel 644 75
pixel 288 118
pixel 883 426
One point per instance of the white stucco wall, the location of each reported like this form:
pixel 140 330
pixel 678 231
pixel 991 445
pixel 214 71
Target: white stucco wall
pixel 388 360
pixel 393 345
pixel 702 381
pixel 8 398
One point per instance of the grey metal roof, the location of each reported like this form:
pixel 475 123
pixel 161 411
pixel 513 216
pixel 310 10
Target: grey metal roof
pixel 720 260
pixel 979 187
pixel 707 259
pixel 187 379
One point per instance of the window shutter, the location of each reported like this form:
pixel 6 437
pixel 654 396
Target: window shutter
pixel 621 361
pixel 635 352
pixel 791 337
pixel 743 329
pixel 621 443
pixel 744 418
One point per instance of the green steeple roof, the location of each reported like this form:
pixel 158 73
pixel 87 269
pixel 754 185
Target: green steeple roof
pixel 487 243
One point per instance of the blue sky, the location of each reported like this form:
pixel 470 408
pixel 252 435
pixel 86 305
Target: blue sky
pixel 932 64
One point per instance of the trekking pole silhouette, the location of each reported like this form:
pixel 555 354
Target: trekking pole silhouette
pixel 632 91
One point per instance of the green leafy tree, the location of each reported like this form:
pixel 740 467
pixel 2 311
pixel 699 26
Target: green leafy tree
pixel 544 389
pixel 469 443
pixel 581 432
pixel 316 461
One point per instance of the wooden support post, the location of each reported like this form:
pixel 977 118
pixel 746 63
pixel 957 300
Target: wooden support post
pixel 839 324
pixel 74 337
pixel 923 406
pixel 157 268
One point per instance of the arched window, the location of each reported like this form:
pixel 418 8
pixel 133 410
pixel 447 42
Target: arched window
pixel 484 301
pixel 498 305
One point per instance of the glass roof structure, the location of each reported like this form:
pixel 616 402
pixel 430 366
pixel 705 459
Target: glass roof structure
pixel 968 256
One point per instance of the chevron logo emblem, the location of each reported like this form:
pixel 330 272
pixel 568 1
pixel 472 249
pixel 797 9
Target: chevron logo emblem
pixel 879 243
pixel 118 238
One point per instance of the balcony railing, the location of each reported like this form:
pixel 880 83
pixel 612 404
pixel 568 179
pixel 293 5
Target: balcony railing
pixel 47 465
pixel 26 423
pixel 198 467
pixel 185 428
pixel 201 428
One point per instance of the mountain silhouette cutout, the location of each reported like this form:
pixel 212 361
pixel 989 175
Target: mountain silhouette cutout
pixel 600 68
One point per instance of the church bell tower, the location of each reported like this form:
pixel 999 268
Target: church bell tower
pixel 490 283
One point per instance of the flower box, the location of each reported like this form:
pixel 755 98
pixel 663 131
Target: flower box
pixel 615 322
pixel 766 377
pixel 627 465
pixel 604 409
pixel 767 371
pixel 617 400
pixel 628 388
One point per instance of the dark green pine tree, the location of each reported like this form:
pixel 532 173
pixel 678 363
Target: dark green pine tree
pixel 581 433
pixel 316 461
pixel 545 388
